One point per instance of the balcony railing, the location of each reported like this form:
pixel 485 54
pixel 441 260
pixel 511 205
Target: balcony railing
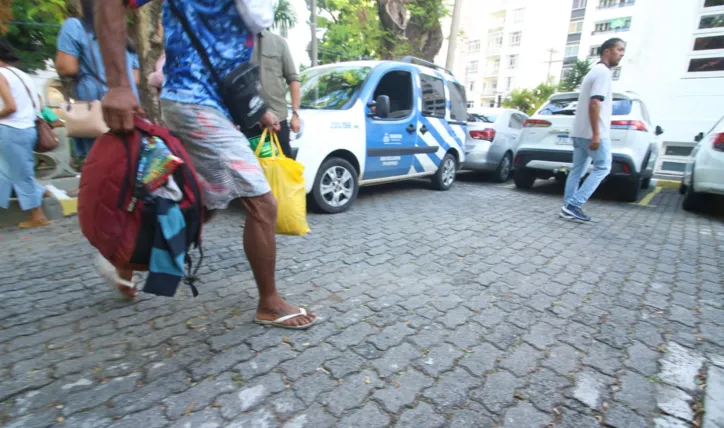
pixel 611 30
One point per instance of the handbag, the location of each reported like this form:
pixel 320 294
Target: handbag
pixel 47 140
pixel 240 90
pixel 84 119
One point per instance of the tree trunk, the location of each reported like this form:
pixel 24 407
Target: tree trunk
pixel 145 35
pixel 424 43
pixel 422 39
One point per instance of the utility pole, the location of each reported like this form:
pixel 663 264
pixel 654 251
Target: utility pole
pixel 313 24
pixel 454 29
pixel 550 61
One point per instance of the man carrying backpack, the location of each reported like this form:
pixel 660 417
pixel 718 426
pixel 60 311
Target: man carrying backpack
pixel 192 101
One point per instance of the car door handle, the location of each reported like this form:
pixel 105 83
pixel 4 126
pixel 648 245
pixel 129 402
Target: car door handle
pixel 423 129
pixel 410 128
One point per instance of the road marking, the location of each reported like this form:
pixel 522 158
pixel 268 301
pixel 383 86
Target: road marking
pixel 508 186
pixel 646 200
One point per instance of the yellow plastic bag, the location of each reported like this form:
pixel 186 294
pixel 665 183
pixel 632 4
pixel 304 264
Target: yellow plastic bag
pixel 286 179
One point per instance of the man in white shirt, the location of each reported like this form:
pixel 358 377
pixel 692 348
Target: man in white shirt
pixel 591 132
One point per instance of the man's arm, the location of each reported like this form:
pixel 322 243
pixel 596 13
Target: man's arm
pixel 292 78
pixel 594 115
pixel 119 103
pixel 599 92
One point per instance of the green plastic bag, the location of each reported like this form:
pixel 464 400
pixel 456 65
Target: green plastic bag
pixel 266 149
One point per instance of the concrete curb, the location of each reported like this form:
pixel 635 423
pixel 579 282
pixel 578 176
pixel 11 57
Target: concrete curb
pixel 668 184
pixel 59 205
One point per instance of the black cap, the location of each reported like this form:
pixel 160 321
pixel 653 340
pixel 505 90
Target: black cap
pixel 7 52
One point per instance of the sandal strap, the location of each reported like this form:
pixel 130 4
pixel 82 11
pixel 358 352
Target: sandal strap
pixel 302 312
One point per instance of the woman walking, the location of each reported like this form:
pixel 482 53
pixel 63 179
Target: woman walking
pixel 79 57
pixel 17 140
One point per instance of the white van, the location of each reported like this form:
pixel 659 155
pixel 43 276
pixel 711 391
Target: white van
pixel 373 122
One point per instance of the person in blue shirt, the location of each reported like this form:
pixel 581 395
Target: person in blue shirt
pixel 79 57
pixel 193 109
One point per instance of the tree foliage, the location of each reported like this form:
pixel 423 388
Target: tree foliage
pixel 378 29
pixel 575 75
pixel 529 100
pixel 285 17
pixel 32 27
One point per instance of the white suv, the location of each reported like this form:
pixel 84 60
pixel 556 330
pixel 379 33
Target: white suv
pixel 546 148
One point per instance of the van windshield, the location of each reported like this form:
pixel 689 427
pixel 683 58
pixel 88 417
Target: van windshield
pixel 332 88
pixel 567 107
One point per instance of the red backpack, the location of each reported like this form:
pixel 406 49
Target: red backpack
pixel 111 211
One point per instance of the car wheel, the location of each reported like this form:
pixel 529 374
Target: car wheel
pixel 445 175
pixel 335 187
pixel 524 178
pixel 682 187
pixel 646 183
pixel 632 191
pixel 502 173
pixel 693 201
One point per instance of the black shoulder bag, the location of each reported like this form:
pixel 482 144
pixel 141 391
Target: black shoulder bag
pixel 240 89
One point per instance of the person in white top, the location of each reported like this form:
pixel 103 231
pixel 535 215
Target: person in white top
pixel 17 139
pixel 591 132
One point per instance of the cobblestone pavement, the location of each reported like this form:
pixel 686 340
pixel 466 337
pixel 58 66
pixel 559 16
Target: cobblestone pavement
pixel 476 307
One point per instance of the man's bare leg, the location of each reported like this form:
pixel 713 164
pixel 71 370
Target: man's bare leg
pixel 128 276
pixel 261 250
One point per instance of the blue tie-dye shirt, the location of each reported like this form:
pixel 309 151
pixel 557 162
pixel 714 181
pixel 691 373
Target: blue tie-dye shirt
pixel 223 34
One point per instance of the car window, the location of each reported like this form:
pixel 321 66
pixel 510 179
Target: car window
pixel 644 112
pixel 458 103
pixel 331 88
pixel 515 122
pixel 567 107
pixel 486 118
pixel 433 96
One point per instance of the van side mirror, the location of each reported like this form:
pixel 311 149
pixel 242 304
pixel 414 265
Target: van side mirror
pixel 699 137
pixel 382 106
pixel 659 130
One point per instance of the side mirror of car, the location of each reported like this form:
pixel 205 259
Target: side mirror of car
pixel 699 137
pixel 659 130
pixel 382 106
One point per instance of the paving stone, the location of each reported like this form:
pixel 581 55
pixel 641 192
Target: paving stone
pixel 563 359
pixel 347 362
pixel 309 387
pixel 370 416
pixel 525 415
pixel 467 418
pixel 669 422
pixel 574 419
pixel 313 417
pixel 390 336
pixel 429 336
pixel 308 361
pixel 286 404
pixel 90 398
pixel 198 396
pixel 451 389
pixel 265 361
pixel 352 335
pixel 151 418
pixel 260 418
pixel 44 418
pixel 642 359
pixel 351 393
pixel 590 388
pixel 680 366
pixel 207 418
pixel 648 334
pixel 603 358
pixel 674 402
pixel 619 416
pixel 481 359
pixel 402 390
pixel 221 362
pixel 439 360
pixel 498 391
pixel 713 403
pixel 542 335
pixel 523 360
pixel 250 396
pixel 466 336
pixel 154 392
pixel 545 389
pixel 395 360
pixel 504 336
pixel 422 416
pixel 636 392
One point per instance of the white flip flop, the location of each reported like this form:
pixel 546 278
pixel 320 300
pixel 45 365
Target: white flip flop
pixel 110 274
pixel 279 322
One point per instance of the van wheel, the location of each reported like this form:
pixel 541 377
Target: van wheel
pixel 524 178
pixel 693 201
pixel 335 187
pixel 632 191
pixel 502 173
pixel 445 175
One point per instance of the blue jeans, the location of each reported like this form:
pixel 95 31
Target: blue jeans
pixel 582 155
pixel 17 167
pixel 82 146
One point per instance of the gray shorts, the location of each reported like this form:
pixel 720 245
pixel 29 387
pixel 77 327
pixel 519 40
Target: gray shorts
pixel 222 156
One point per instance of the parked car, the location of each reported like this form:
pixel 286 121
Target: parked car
pixel 492 137
pixel 546 149
pixel 704 173
pixel 371 122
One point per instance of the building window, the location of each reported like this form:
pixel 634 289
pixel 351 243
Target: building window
pixel 515 38
pixel 713 3
pixel 571 51
pixel 709 43
pixel 575 27
pixel 496 39
pixel 595 51
pixel 474 46
pixel 513 62
pixel 711 21
pixel 579 4
pixel 603 4
pixel 564 73
pixel 473 67
pixel 616 73
pixel 706 65
pixel 508 83
pixel 471 86
pixel 618 24
pixel 471 104
pixel 518 15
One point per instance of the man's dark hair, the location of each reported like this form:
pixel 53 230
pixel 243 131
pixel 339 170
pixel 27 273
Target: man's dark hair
pixel 86 7
pixel 610 44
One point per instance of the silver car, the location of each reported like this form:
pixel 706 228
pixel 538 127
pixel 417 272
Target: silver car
pixel 491 141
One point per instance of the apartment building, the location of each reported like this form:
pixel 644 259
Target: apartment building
pixel 507 44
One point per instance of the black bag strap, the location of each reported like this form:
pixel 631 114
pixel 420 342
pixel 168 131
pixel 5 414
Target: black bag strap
pixel 196 42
